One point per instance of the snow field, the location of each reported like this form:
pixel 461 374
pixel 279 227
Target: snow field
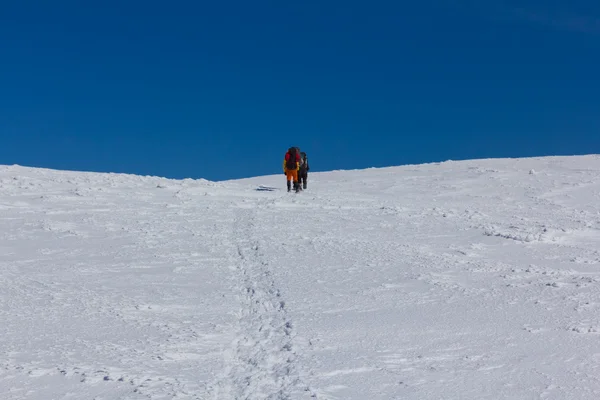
pixel 473 279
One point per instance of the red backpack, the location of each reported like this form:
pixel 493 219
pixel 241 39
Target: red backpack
pixel 291 158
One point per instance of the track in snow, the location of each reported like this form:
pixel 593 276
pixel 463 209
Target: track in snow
pixel 261 363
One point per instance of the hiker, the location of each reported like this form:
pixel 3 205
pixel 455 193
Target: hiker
pixel 291 164
pixel 303 170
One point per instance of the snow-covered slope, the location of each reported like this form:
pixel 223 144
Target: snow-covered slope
pixel 461 280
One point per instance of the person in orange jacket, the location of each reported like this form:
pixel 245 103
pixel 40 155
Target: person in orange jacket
pixel 291 165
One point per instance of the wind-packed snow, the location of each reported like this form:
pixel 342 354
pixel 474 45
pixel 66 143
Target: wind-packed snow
pixel 460 280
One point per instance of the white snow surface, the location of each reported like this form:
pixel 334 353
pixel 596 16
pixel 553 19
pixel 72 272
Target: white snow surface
pixel 458 280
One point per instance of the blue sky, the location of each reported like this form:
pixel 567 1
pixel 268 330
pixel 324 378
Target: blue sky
pixel 219 90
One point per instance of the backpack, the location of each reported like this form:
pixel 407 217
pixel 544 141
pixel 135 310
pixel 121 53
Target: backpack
pixel 291 161
pixel 303 161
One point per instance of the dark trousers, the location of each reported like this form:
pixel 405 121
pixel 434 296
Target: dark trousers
pixel 302 177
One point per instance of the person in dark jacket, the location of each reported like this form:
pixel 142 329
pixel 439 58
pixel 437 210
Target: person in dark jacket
pixel 303 170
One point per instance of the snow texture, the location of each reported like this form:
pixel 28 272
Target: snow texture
pixel 459 280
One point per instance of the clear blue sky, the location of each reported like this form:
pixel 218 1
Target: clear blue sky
pixel 220 89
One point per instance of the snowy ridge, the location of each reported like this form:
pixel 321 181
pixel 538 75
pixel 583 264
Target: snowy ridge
pixel 472 279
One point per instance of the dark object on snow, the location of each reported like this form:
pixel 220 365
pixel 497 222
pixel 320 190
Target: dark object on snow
pixel 262 188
